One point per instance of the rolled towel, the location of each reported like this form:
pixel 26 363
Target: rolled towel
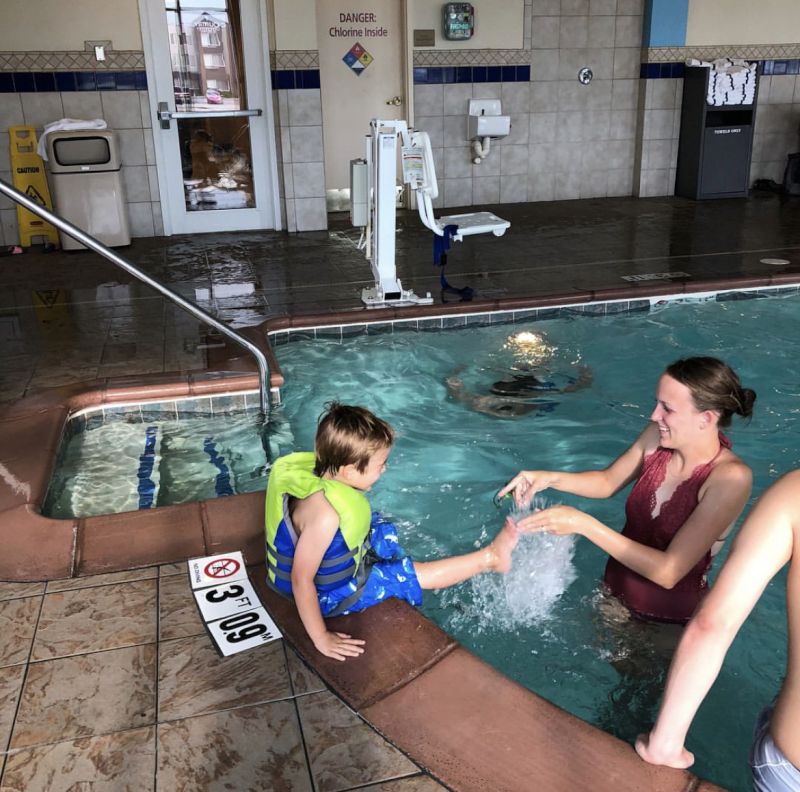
pixel 66 124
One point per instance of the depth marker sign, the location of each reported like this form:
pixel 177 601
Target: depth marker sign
pixel 229 605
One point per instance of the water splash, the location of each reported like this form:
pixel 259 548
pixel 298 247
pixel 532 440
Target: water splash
pixel 542 571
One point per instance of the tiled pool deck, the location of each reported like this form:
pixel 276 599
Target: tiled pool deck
pixel 122 687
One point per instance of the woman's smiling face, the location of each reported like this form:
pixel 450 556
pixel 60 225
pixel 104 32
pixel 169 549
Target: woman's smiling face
pixel 675 412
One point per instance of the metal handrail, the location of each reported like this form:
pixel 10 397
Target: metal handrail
pixel 98 247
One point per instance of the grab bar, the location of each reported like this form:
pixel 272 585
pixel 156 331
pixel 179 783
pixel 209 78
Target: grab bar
pixel 98 247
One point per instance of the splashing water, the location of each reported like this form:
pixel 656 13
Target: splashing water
pixel 541 572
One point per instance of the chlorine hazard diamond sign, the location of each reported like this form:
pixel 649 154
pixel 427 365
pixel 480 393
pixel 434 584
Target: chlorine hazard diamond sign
pixel 357 58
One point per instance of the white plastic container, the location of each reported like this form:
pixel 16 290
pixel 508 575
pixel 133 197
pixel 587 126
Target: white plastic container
pixel 87 185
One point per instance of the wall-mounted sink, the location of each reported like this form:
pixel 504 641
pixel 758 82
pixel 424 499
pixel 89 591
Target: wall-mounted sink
pixel 488 126
pixel 484 119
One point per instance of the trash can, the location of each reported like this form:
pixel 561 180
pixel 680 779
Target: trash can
pixel 87 185
pixel 716 142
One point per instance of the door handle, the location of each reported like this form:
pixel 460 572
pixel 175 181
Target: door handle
pixel 395 101
pixel 165 114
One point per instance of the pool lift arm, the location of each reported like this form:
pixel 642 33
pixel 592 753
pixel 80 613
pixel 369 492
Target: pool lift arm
pixel 373 187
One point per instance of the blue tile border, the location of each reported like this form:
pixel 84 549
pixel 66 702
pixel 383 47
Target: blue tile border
pixel 441 323
pixel 40 82
pixel 289 79
pixel 436 75
pixel 339 332
pixel 656 71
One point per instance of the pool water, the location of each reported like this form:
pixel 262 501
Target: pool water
pixel 126 460
pixel 547 624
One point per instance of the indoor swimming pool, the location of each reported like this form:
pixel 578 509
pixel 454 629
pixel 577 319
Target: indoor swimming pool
pixel 464 430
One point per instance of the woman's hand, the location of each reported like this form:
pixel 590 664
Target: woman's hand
pixel 558 520
pixel 339 646
pixel 649 750
pixel 526 484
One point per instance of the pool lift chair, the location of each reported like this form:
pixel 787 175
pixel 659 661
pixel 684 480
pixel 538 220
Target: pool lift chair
pixel 373 195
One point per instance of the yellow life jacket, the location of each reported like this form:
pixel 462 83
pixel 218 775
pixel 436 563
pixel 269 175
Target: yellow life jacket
pixel 293 475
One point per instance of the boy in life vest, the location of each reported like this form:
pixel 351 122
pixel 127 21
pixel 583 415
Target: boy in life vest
pixel 325 547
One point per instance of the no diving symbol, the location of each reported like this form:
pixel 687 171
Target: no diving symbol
pixel 221 568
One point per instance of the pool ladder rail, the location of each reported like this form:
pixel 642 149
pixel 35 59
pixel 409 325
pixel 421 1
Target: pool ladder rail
pixel 98 247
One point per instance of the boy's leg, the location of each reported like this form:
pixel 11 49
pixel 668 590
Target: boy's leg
pixel 495 557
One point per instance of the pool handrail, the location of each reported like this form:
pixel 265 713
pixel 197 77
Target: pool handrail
pixel 98 247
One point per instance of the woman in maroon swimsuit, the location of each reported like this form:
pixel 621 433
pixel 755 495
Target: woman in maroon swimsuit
pixel 690 488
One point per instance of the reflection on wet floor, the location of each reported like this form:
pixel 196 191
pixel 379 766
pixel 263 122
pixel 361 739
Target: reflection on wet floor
pixel 71 317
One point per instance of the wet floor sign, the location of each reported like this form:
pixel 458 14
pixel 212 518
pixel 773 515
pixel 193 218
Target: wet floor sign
pixel 27 170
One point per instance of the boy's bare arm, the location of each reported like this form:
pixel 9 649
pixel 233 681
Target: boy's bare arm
pixel 316 522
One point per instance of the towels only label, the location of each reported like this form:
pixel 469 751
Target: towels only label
pixel 230 609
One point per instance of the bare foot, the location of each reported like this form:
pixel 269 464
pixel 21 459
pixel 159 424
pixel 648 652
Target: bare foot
pixel 502 546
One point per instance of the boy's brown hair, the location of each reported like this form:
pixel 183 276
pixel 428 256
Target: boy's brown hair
pixel 348 435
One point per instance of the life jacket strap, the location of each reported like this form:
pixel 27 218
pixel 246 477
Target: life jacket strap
pixel 340 559
pixel 351 599
pixel 320 580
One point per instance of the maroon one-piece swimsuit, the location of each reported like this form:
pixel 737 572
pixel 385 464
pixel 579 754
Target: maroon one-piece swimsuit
pixel 645 598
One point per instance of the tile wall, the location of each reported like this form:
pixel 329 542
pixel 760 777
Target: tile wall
pixel 297 108
pixel 567 140
pixel 29 98
pixel 299 118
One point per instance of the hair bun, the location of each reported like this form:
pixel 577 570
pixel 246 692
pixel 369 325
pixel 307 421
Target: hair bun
pixel 747 399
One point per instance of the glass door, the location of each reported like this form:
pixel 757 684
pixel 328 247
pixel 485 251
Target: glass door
pixel 212 125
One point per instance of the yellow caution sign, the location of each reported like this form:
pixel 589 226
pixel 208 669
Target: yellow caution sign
pixel 27 171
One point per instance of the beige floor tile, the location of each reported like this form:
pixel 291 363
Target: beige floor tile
pixel 344 751
pixel 87 695
pixel 252 748
pixel 101 580
pixel 304 680
pixel 165 570
pixel 90 620
pixel 10 685
pixel 17 625
pixel 178 616
pixel 420 783
pixel 16 590
pixel 193 679
pixel 123 762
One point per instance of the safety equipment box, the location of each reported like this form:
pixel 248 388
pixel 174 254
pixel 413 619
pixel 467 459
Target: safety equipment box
pixel 87 185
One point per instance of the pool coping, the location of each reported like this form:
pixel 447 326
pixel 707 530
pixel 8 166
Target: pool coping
pixel 471 727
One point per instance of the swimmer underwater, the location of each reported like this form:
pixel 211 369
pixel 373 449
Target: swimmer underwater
pixel 328 551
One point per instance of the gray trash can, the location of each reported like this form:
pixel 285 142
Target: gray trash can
pixel 87 185
pixel 716 143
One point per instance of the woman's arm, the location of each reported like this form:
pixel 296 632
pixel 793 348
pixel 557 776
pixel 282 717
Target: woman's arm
pixel 763 546
pixel 317 522
pixel 725 495
pixel 588 483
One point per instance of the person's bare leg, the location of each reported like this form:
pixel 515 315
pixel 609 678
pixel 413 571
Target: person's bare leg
pixel 495 557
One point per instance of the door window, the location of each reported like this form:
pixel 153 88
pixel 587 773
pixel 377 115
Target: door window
pixel 208 78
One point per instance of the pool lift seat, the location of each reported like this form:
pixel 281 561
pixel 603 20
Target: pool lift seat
pixel 427 189
pixel 379 170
